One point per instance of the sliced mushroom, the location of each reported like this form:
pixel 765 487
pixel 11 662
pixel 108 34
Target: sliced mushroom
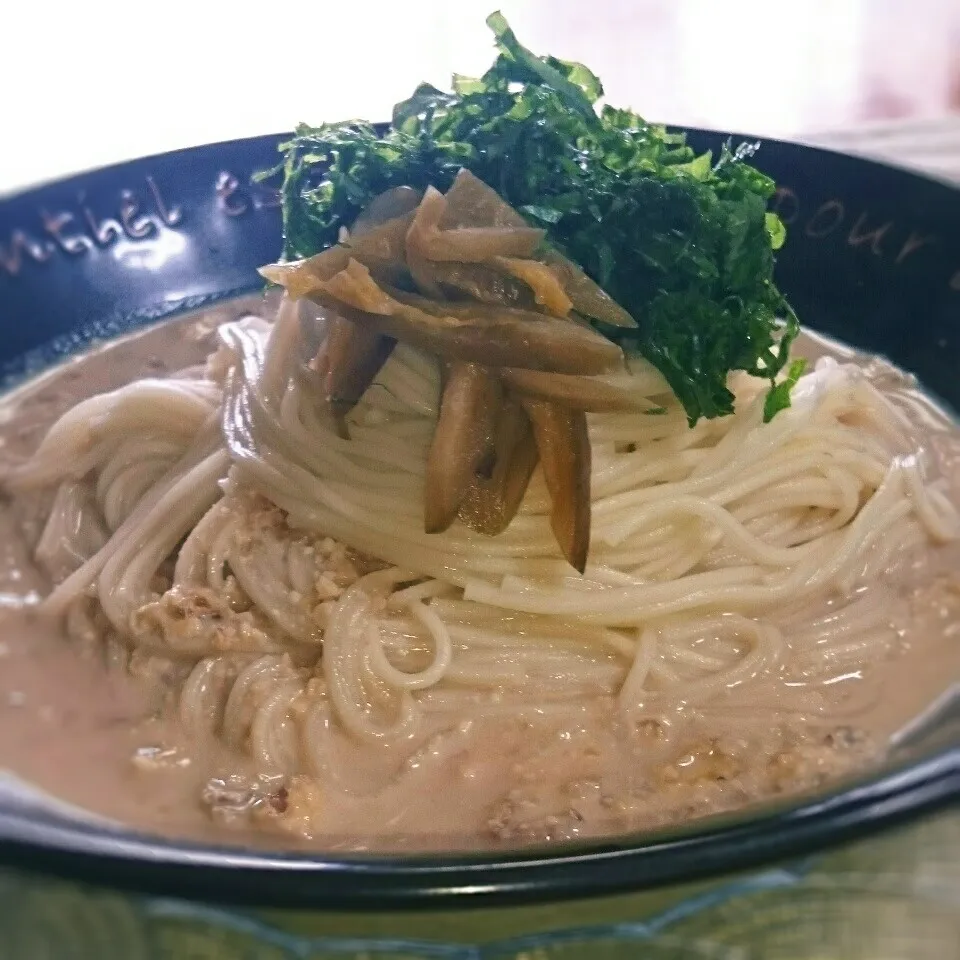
pixel 462 441
pixel 492 501
pixel 349 359
pixel 564 448
pixel 593 394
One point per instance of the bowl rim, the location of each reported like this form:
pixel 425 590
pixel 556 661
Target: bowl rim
pixel 116 857
pixel 699 849
pixel 25 191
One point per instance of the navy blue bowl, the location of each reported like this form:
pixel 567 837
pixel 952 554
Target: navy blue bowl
pixel 873 257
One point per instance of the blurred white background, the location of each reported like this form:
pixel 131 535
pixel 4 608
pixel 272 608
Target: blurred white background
pixel 89 83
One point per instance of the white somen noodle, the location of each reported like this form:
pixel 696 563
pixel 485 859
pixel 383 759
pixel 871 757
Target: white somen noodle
pixel 215 521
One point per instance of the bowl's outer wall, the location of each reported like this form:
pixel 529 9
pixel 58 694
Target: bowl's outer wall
pixel 872 255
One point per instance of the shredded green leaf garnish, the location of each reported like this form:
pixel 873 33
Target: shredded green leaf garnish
pixel 779 396
pixel 684 244
pixel 777 231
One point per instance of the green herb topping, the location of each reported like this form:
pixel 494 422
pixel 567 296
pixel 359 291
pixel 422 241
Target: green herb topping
pixel 684 243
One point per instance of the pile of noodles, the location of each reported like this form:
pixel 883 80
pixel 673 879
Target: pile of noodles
pixel 216 522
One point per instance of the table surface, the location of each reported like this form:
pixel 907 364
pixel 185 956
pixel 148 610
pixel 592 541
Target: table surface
pixel 930 145
pixel 892 897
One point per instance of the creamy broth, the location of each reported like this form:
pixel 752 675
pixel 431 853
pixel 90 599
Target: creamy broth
pixel 83 730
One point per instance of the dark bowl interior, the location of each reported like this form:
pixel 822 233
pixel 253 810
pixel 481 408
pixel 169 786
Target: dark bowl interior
pixel 872 257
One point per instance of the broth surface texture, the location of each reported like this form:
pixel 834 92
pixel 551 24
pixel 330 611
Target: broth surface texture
pixel 109 731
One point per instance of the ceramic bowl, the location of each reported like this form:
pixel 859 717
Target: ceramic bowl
pixel 873 257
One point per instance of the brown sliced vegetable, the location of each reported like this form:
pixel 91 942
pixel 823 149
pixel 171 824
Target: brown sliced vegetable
pixel 543 281
pixel 355 287
pixel 300 278
pixel 520 363
pixel 380 250
pixel 477 244
pixel 492 501
pixel 592 394
pixel 423 274
pixel 586 296
pixel 564 448
pixel 462 441
pixel 492 344
pixel 493 336
pixel 479 281
pixel 531 339
pixel 349 359
pixel 425 220
pixel 389 205
pixel 471 201
pixel 465 244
